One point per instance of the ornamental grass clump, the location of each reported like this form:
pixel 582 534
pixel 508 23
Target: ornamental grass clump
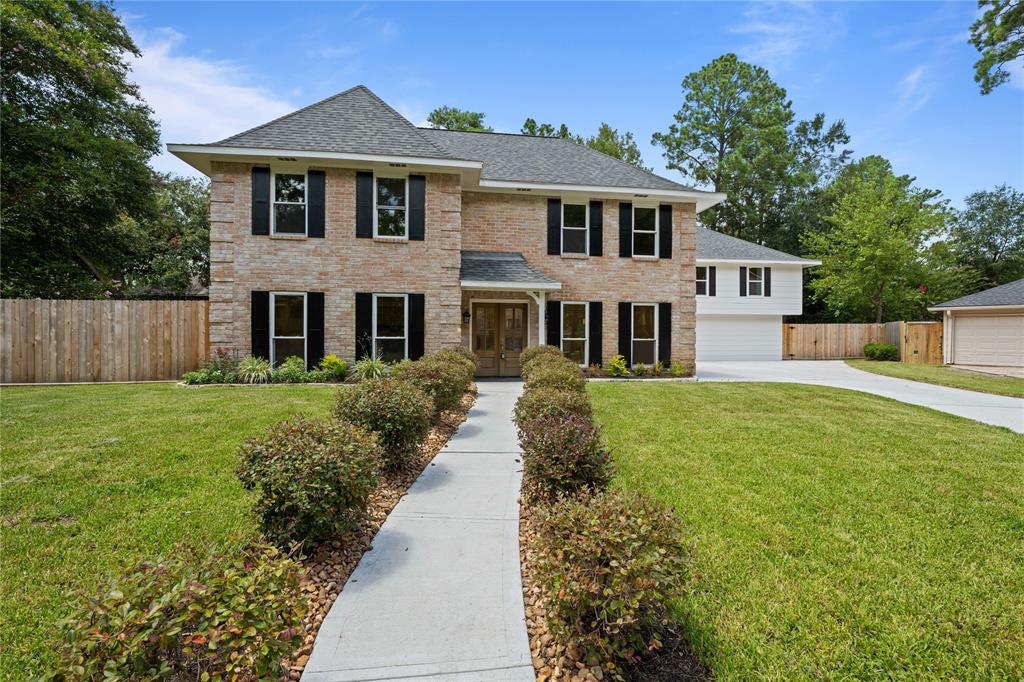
pixel 610 565
pixel 547 401
pixel 398 412
pixel 313 478
pixel 562 454
pixel 195 615
pixel 445 380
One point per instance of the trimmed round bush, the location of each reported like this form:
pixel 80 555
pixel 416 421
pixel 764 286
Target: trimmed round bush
pixel 610 565
pixel 398 412
pixel 562 454
pixel 542 402
pixel 882 351
pixel 544 361
pixel 444 380
pixel 223 614
pixel 563 375
pixel 465 360
pixel 313 478
pixel 533 352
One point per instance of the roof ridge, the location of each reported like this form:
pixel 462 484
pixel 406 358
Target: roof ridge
pixel 416 128
pixel 294 113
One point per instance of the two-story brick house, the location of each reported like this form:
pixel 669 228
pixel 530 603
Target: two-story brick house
pixel 342 228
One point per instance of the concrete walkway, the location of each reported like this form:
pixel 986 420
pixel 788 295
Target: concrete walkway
pixel 983 407
pixel 439 597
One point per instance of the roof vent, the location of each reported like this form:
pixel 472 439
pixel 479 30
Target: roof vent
pixel 522 189
pixel 286 158
pixel 397 165
pixel 641 196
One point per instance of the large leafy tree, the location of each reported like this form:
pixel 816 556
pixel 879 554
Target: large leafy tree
pixel 531 127
pixel 452 118
pixel 999 36
pixel 74 147
pixel 989 234
pixel 621 146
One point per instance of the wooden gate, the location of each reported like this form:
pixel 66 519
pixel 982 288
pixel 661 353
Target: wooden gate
pixel 921 343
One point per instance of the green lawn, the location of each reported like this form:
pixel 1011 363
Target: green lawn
pixel 834 534
pixel 94 476
pixel 945 376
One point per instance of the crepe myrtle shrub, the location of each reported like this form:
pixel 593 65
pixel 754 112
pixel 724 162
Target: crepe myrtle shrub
pixel 398 412
pixel 551 402
pixel 313 478
pixel 533 352
pixel 882 351
pixel 565 376
pixel 445 381
pixel 610 565
pixel 562 454
pixel 195 614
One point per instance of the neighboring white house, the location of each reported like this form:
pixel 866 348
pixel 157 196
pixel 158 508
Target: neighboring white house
pixel 743 290
pixel 986 328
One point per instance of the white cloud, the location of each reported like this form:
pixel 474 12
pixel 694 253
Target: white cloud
pixel 915 90
pixel 780 32
pixel 196 99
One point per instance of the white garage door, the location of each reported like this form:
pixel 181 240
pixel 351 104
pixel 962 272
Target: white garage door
pixel 988 340
pixel 736 337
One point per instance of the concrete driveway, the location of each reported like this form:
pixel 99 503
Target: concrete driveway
pixel 991 409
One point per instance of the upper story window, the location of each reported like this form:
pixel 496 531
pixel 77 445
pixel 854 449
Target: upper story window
pixel 289 203
pixel 390 327
pixel 755 281
pixel 574 332
pixel 575 224
pixel 702 280
pixel 390 196
pixel 645 231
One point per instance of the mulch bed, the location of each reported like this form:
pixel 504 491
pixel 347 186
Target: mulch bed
pixel 554 661
pixel 328 567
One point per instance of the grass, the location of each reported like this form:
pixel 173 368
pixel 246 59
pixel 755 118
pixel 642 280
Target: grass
pixel 833 534
pixel 945 376
pixel 97 476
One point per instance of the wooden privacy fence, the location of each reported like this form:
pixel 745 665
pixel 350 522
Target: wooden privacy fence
pixel 919 342
pixel 45 341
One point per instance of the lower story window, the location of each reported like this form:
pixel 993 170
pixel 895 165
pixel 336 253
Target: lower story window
pixel 288 322
pixel 645 333
pixel 390 325
pixel 574 332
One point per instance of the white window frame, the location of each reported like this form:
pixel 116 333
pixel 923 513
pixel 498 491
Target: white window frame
pixel 760 279
pixel 586 330
pixel 405 311
pixel 585 228
pixel 377 208
pixel 657 224
pixel 274 202
pixel 706 280
pixel 632 332
pixel 273 326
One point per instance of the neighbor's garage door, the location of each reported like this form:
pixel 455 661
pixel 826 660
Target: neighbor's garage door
pixel 989 340
pixel 739 337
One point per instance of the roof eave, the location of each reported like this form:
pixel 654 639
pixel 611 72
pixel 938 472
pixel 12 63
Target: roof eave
pixel 482 285
pixel 704 200
pixel 802 262
pixel 954 308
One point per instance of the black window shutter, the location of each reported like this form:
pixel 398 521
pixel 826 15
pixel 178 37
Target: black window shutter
pixel 665 231
pixel 417 325
pixel 417 207
pixel 625 229
pixel 554 227
pixel 259 314
pixel 665 334
pixel 261 201
pixel 626 332
pixel 364 325
pixel 364 205
pixel 743 281
pixel 594 342
pixel 596 228
pixel 316 192
pixel 314 328
pixel 554 324
pixel 767 281
pixel 711 280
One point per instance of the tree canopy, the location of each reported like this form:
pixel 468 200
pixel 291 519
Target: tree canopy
pixel 989 234
pixel 999 36
pixel 453 118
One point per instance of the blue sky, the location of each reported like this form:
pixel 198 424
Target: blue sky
pixel 899 74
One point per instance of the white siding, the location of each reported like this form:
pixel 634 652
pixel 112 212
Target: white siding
pixel 737 337
pixel 986 340
pixel 786 298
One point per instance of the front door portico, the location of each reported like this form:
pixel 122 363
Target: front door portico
pixel 498 335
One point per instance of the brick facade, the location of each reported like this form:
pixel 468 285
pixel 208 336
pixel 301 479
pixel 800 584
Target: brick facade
pixel 340 264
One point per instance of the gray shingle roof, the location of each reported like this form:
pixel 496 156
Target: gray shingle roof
pixel 496 266
pixel 714 245
pixel 1011 293
pixel 545 160
pixel 355 121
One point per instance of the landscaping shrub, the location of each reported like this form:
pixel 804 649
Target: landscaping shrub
pixel 562 454
pixel 398 412
pixel 563 375
pixel 610 565
pixel 460 352
pixel 313 477
pixel 678 369
pixel 551 402
pixel 223 359
pixel 657 369
pixel 882 351
pixel 444 380
pixel 370 368
pixel 206 615
pixel 533 352
pixel 542 362
pixel 464 360
pixel 640 369
pixel 617 367
pixel 253 370
pixel 334 368
pixel 291 371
